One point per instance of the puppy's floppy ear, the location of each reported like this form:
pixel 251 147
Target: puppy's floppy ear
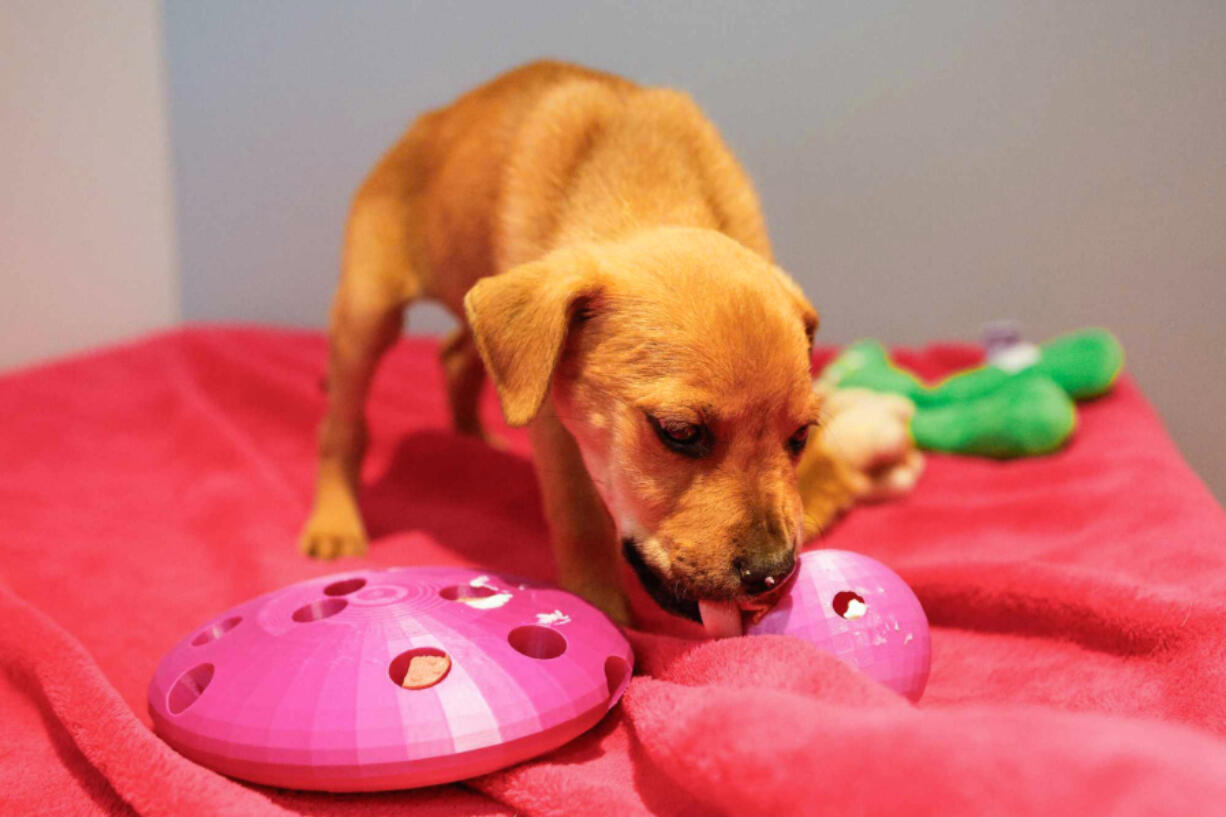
pixel 520 320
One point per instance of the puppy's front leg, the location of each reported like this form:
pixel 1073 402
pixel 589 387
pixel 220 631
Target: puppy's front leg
pixel 583 535
pixel 378 282
pixel 357 339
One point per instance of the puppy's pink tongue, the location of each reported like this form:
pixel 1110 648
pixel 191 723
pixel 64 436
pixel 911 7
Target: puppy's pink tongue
pixel 721 619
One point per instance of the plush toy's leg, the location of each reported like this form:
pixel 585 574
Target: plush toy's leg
pixel 866 365
pixel 1085 363
pixel 965 386
pixel 465 376
pixel 1028 415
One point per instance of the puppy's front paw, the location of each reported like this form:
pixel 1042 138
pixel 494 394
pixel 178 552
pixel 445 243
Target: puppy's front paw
pixel 615 607
pixel 893 481
pixel 869 434
pixel 333 531
pixel 494 440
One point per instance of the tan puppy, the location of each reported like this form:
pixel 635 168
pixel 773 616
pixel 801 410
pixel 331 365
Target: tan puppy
pixel 608 258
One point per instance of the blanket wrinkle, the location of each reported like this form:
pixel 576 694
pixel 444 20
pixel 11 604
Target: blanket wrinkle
pixel 1026 761
pixel 79 773
pixel 188 383
pixel 104 730
pixel 1078 604
pixel 1072 603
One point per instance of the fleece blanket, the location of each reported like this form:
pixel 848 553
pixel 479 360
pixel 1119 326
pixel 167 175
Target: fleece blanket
pixel 1078 605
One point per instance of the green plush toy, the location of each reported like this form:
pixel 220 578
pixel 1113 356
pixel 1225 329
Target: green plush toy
pixel 1021 403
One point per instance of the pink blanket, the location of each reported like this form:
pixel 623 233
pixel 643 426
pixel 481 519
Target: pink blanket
pixel 1078 605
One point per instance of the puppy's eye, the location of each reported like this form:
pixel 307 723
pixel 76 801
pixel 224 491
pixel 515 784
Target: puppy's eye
pixel 690 439
pixel 680 432
pixel 796 443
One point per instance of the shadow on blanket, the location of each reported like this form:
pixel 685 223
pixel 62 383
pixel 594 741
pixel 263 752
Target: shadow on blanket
pixel 437 483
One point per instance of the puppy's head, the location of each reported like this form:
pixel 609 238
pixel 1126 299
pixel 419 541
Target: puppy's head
pixel 679 362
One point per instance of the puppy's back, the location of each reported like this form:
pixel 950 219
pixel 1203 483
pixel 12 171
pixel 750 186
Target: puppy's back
pixel 550 153
pixel 447 173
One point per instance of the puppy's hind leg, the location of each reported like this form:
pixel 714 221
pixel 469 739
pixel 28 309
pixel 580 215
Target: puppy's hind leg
pixel 377 284
pixel 465 377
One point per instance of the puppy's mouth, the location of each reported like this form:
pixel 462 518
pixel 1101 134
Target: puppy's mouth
pixel 721 618
pixel 666 594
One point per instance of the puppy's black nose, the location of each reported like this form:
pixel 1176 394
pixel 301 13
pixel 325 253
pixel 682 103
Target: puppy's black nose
pixel 762 574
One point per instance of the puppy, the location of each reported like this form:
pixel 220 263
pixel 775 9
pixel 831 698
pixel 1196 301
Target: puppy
pixel 609 262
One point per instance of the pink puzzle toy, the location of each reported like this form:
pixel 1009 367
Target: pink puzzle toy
pixel 383 679
pixel 862 612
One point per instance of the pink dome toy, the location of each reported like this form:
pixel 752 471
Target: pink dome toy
pixel 862 612
pixel 382 679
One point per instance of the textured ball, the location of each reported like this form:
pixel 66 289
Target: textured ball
pixel 862 612
pixel 388 679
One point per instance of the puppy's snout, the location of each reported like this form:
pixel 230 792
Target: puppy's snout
pixel 763 573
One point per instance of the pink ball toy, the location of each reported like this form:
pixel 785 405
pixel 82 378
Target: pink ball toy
pixel 387 679
pixel 862 612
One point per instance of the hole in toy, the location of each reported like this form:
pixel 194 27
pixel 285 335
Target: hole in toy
pixel 319 609
pixel 536 641
pixel 419 668
pixel 188 689
pixel 616 675
pixel 466 592
pixel 850 605
pixel 345 587
pixel 216 631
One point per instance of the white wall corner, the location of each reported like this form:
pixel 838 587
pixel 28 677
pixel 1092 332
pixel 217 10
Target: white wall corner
pixel 87 237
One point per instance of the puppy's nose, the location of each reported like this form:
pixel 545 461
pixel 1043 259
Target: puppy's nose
pixel 762 574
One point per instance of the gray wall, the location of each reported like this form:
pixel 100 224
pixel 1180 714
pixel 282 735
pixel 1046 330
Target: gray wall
pixel 86 234
pixel 925 167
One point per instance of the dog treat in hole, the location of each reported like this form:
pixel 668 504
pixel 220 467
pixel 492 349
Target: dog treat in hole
pixel 426 670
pixel 850 605
pixel 479 596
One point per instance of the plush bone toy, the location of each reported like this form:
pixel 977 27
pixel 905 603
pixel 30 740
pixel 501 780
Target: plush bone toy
pixel 1021 403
